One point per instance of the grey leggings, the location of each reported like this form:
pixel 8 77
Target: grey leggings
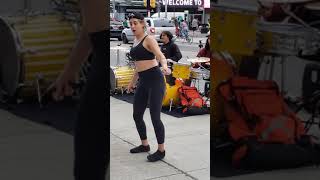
pixel 151 89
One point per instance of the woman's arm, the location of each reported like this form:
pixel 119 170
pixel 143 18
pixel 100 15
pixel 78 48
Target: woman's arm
pixel 94 19
pixel 135 78
pixel 153 46
pixel 133 82
pixel 79 53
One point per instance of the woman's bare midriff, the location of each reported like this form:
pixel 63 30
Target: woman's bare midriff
pixel 145 65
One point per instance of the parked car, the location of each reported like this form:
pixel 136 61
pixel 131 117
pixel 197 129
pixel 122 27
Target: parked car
pixel 155 27
pixel 116 28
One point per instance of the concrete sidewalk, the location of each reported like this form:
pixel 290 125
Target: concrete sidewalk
pixel 187 147
pixel 30 151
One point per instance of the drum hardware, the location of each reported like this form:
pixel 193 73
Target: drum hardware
pixel 119 48
pixel 283 75
pixel 287 39
pixel 171 61
pixel 199 60
pixel 198 74
pixel 271 61
pixel 120 77
pixel 291 14
pixel 38 78
pixel 284 40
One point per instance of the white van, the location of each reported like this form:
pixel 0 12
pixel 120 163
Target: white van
pixel 155 28
pixel 170 15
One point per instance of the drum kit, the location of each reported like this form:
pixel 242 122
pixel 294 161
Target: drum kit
pixel 35 48
pixel 295 35
pixel 183 72
pixel 120 76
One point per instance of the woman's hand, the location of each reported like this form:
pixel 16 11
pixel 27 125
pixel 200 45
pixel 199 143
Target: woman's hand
pixel 130 87
pixel 62 86
pixel 166 71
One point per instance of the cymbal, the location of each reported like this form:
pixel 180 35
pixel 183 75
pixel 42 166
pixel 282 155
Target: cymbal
pixel 313 6
pixel 119 48
pixel 198 59
pixel 170 60
pixel 284 1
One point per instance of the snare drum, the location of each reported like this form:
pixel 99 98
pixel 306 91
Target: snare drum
pixel 33 53
pixel 120 78
pixel 180 70
pixel 287 39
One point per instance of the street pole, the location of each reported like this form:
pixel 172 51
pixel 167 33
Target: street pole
pixel 203 15
pixel 166 9
pixel 158 8
pixel 114 8
pixel 148 8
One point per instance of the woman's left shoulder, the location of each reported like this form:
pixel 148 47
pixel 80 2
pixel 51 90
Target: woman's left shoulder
pixel 150 38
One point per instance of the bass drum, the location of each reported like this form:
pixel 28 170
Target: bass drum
pixel 120 78
pixel 171 96
pixel 34 52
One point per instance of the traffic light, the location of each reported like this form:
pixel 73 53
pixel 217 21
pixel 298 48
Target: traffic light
pixel 152 3
pixel 145 3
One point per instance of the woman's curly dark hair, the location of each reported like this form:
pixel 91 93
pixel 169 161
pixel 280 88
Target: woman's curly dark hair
pixel 168 33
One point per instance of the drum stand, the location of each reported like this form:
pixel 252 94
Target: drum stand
pixel 118 57
pixel 283 71
pixel 39 78
pixel 284 56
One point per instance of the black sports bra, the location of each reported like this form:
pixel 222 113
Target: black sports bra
pixel 140 53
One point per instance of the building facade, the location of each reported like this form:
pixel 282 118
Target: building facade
pixel 199 9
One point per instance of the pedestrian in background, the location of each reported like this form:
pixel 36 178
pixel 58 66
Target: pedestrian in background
pixel 171 51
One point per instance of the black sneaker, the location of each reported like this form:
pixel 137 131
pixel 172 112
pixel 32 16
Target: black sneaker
pixel 140 149
pixel 158 155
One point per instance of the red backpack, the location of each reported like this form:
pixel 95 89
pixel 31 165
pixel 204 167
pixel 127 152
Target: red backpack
pixel 255 109
pixel 191 100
